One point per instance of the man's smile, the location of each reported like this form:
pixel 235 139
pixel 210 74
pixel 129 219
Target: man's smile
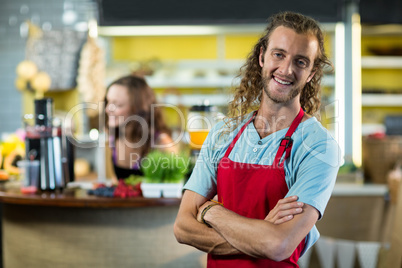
pixel 282 82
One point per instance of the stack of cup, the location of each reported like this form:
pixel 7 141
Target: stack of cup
pixel 29 172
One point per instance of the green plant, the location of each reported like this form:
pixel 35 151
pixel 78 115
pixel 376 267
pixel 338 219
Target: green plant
pixel 162 167
pixel 133 180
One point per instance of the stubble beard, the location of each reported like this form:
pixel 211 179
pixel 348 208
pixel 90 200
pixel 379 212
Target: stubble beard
pixel 278 99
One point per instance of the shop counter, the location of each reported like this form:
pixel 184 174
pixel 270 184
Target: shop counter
pixel 356 212
pixel 355 228
pixel 73 229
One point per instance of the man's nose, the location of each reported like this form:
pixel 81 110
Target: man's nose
pixel 286 67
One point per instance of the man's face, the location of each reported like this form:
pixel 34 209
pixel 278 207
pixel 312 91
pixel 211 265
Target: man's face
pixel 287 64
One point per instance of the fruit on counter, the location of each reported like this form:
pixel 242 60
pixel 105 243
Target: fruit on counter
pixel 122 190
pixel 27 69
pixel 11 143
pixel 102 191
pixel 29 189
pixel 12 150
pixel 4 175
pixel 11 159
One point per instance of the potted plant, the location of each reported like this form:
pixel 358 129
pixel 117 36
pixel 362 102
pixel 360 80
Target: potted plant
pixel 163 174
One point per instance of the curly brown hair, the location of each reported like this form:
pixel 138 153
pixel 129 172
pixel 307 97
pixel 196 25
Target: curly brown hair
pixel 143 103
pixel 247 96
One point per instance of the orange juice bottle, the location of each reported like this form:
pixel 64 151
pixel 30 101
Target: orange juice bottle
pixel 197 138
pixel 200 120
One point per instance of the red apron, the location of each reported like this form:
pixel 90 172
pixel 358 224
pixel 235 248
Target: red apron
pixel 252 190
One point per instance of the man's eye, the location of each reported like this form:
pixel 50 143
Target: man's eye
pixel 302 63
pixel 278 55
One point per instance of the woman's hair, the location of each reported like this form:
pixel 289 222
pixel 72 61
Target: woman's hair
pixel 247 96
pixel 142 104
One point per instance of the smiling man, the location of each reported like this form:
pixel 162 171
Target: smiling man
pixel 272 169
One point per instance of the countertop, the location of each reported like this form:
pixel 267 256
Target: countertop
pixel 80 198
pixel 356 189
pixel 74 197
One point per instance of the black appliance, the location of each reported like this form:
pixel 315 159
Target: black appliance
pixel 47 142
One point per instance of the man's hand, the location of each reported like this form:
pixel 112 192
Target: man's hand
pixel 189 231
pixel 284 210
pixel 201 208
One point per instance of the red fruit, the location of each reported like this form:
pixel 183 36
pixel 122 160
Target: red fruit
pixel 29 189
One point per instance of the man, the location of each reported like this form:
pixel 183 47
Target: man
pixel 273 170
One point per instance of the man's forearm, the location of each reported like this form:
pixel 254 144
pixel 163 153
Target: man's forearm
pixel 240 232
pixel 188 230
pixel 191 232
pixel 259 238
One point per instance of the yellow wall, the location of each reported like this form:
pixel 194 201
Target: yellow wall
pixel 181 47
pixel 186 47
pixel 376 115
pixel 238 47
pixel 381 79
pixel 63 101
pixel 369 43
pixel 164 48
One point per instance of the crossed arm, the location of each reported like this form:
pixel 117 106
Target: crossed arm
pixel 275 237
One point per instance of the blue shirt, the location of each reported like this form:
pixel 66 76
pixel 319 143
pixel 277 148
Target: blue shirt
pixel 310 171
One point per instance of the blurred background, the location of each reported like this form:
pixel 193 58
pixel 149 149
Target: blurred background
pixel 190 53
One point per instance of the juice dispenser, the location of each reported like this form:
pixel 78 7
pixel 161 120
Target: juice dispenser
pixel 201 119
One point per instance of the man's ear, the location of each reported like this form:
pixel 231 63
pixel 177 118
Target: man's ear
pixel 311 76
pixel 261 57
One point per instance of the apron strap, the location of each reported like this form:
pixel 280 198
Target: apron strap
pixel 287 142
pixel 238 135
